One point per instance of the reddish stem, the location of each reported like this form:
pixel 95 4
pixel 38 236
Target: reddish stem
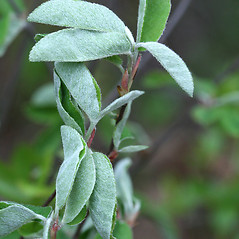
pixel 91 138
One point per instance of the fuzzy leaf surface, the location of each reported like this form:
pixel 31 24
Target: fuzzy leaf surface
pixel 102 201
pixel 121 101
pixel 13 216
pixel 74 151
pixel 152 18
pixel 172 63
pixel 82 188
pixel 75 45
pixel 77 14
pixel 67 110
pixel 82 87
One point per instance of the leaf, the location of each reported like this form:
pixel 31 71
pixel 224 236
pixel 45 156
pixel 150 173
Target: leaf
pixel 120 126
pixel 30 229
pixel 132 148
pixel 116 60
pixel 82 188
pixel 77 14
pixel 122 230
pixel 125 188
pixel 13 216
pixel 14 27
pixel 121 101
pixel 74 151
pixel 75 45
pixel 67 110
pixel 152 18
pixel 80 217
pixel 172 63
pixel 82 87
pixel 44 96
pixel 103 199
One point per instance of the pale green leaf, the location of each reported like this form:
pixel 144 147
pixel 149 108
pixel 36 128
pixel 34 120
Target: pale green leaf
pixel 74 151
pixel 68 112
pixel 121 101
pixel 120 126
pixel 75 45
pixel 132 148
pixel 13 216
pixel 14 28
pixel 152 18
pixel 172 63
pixel 44 96
pixel 82 188
pixel 82 87
pixel 77 14
pixel 102 201
pixel 124 188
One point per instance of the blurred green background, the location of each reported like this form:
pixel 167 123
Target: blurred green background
pixel 188 180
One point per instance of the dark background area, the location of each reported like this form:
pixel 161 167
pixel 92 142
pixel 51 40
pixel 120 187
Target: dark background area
pixel 188 180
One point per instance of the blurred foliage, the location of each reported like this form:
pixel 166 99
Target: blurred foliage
pixel 193 194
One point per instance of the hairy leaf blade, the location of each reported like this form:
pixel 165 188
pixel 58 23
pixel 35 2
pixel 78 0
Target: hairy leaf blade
pixel 103 199
pixel 13 216
pixel 121 101
pixel 74 151
pixel 75 45
pixel 68 112
pixel 152 18
pixel 77 14
pixel 82 188
pixel 172 63
pixel 82 87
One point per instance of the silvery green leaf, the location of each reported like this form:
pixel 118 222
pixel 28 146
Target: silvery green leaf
pixel 121 101
pixel 44 96
pixel 77 14
pixel 74 151
pixel 120 126
pixel 172 63
pixel 103 199
pixel 125 189
pixel 82 87
pixel 13 216
pixel 15 26
pixel 67 110
pixel 82 188
pixel 80 217
pixel 132 148
pixel 152 18
pixel 75 45
pixel 47 226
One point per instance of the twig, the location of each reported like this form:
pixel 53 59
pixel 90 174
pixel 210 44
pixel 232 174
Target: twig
pixel 48 201
pixel 79 228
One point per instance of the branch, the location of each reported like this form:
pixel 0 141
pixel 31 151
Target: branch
pixel 48 201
